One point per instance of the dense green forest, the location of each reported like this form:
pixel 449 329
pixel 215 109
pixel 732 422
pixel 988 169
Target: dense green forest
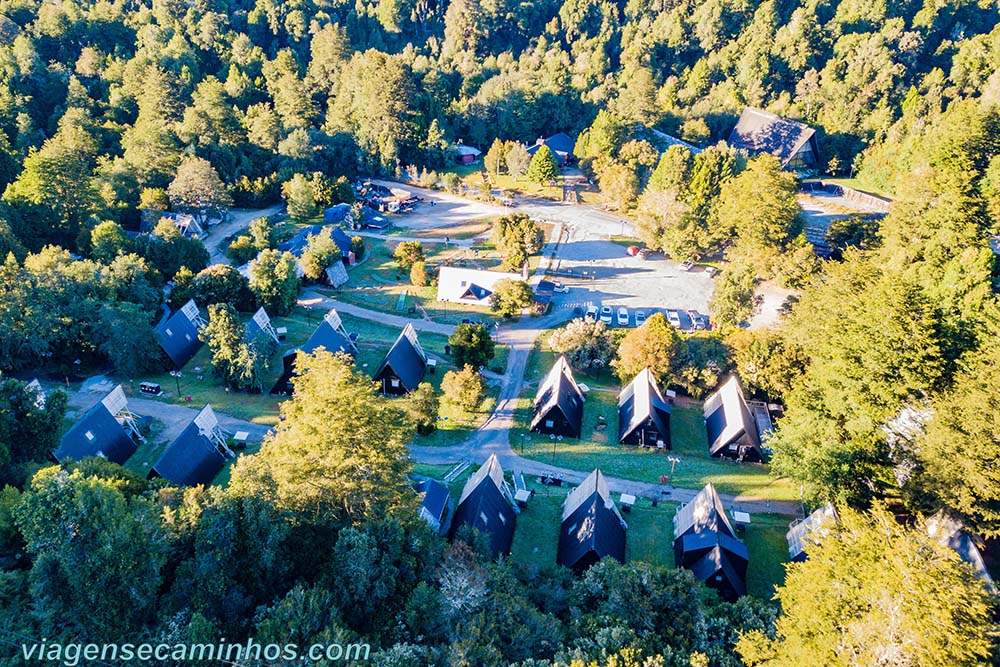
pixel 887 359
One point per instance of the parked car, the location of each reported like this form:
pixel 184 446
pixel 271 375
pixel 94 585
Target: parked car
pixel 640 318
pixel 711 271
pixel 632 250
pixel 645 253
pixel 698 321
pixel 607 314
pixel 623 316
pixel 560 289
pixel 674 318
pixel 591 313
pixel 687 265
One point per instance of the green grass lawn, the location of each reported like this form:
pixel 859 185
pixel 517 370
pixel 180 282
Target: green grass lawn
pixel 598 446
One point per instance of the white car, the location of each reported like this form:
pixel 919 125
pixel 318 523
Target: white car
pixel 560 289
pixel 606 314
pixel 640 318
pixel 674 318
pixel 623 316
pixel 591 313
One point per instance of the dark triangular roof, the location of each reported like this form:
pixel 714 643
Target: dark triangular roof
pixel 406 359
pixel 486 507
pixel 559 390
pixel 640 401
pixel 705 543
pixel 192 459
pixel 178 335
pixel 728 418
pixel 559 143
pixel 591 527
pixel 952 533
pixel 97 433
pixel 342 240
pixel 297 244
pixel 762 132
pixel 434 497
pixel 704 512
pixel 325 336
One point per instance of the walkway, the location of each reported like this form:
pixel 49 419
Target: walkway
pixel 239 219
pixel 460 243
pixel 310 297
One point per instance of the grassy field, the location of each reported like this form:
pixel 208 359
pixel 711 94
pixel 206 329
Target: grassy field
pixel 598 446
pixel 649 537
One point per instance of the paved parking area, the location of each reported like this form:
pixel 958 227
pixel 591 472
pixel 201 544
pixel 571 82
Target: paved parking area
pixel 619 280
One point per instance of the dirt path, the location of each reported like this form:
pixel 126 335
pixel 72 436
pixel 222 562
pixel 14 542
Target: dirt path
pixel 239 219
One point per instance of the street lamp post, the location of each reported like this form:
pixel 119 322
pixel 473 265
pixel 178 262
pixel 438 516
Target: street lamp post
pixel 674 460
pixel 176 375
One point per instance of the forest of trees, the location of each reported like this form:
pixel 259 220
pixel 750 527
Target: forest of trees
pixel 886 360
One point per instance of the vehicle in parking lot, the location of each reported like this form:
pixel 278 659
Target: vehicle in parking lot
pixel 711 271
pixel 674 318
pixel 645 253
pixel 591 313
pixel 698 321
pixel 606 314
pixel 560 289
pixel 632 250
pixel 640 318
pixel 687 265
pixel 623 316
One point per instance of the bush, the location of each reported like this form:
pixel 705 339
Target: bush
pixel 241 250
pixel 358 247
pixel 418 274
pixel 463 389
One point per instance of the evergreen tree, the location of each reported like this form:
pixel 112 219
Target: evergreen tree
pixel 543 167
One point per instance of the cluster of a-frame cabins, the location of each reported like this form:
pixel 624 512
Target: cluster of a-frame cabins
pixel 592 528
pixel 110 430
pixel 733 429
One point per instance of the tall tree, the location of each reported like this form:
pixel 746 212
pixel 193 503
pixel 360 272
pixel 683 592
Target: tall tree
pixel 876 592
pixel 653 346
pixel 71 522
pixel 274 282
pixel 472 345
pixel 58 180
pixel 198 190
pixel 543 167
pixel 338 453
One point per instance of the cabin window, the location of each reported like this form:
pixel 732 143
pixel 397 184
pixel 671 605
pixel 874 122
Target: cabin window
pixel 188 336
pixel 484 518
pixel 395 383
pixel 502 518
pixel 89 435
pixel 549 423
pixel 169 332
pixel 571 529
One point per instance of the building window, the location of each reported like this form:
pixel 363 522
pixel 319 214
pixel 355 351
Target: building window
pixel 395 383
pixel 484 519
pixel 502 518
pixel 169 332
pixel 549 423
pixel 89 435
